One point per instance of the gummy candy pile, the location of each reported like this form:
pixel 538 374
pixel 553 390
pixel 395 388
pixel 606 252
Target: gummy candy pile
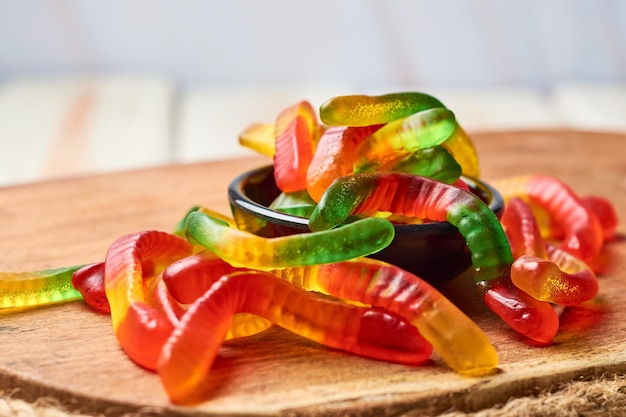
pixel 356 169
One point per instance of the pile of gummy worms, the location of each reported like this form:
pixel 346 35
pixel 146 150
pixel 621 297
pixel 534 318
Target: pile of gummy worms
pixel 367 163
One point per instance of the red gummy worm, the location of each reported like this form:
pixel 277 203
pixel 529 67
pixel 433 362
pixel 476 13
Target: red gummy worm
pixel 582 229
pixel 190 351
pixel 89 281
pixel 541 269
pixel 295 131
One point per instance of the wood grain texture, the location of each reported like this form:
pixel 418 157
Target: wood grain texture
pixel 68 352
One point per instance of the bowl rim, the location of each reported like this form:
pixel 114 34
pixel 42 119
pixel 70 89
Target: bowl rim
pixel 237 197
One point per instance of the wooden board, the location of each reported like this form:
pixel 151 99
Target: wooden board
pixel 69 353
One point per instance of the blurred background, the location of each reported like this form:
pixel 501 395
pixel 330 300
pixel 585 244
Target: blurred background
pixel 90 86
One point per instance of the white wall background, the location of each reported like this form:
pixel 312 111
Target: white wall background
pixel 103 85
pixel 361 44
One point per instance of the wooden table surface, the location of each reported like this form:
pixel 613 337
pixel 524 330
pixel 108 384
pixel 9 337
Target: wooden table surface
pixel 68 352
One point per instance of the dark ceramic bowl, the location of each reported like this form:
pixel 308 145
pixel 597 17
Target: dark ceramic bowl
pixel 436 252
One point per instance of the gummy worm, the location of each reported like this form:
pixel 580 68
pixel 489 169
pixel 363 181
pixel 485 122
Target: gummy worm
pixel 429 199
pixel 89 281
pixel 463 150
pixel 334 156
pixel 541 269
pixel 260 138
pixel 463 346
pixel 425 198
pixel 605 212
pixel 190 351
pixel 21 289
pixel 435 162
pixel 131 264
pixel 398 139
pixel 584 236
pixel 241 248
pixel 295 130
pixel 189 278
pixel 297 203
pixel 363 110
pixel 457 339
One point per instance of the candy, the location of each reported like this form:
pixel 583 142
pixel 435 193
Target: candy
pixel 424 198
pixel 334 156
pixel 174 298
pixel 528 316
pixel 541 269
pixel 131 263
pixel 89 281
pixel 297 203
pixel 435 162
pixel 362 110
pixel 295 131
pixel 605 211
pixel 583 234
pixel 397 140
pixel 429 199
pixel 188 279
pixel 260 138
pixel 241 248
pixel 457 339
pixel 21 289
pixel 189 352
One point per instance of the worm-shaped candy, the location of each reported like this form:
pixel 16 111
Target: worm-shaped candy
pixel 583 235
pixel 435 163
pixel 295 142
pixel 244 249
pixel 540 269
pixel 363 110
pixel 528 316
pixel 398 139
pixel 89 281
pixel 21 289
pixel 429 199
pixel 190 351
pixel 334 156
pixel 188 279
pixel 297 203
pixel 462 148
pixel 457 339
pixel 425 198
pixel 159 298
pixel 260 137
pixel 605 212
pixel 130 264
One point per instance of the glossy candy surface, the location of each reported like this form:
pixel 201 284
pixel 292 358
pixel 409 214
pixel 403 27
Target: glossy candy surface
pixel 458 340
pixel 423 198
pixel 89 281
pixel 259 137
pixel 190 351
pixel 131 264
pixel 583 233
pixel 21 289
pixel 295 140
pixel 541 269
pixel 241 248
pixel 363 110
pixel 400 138
pixel 334 156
